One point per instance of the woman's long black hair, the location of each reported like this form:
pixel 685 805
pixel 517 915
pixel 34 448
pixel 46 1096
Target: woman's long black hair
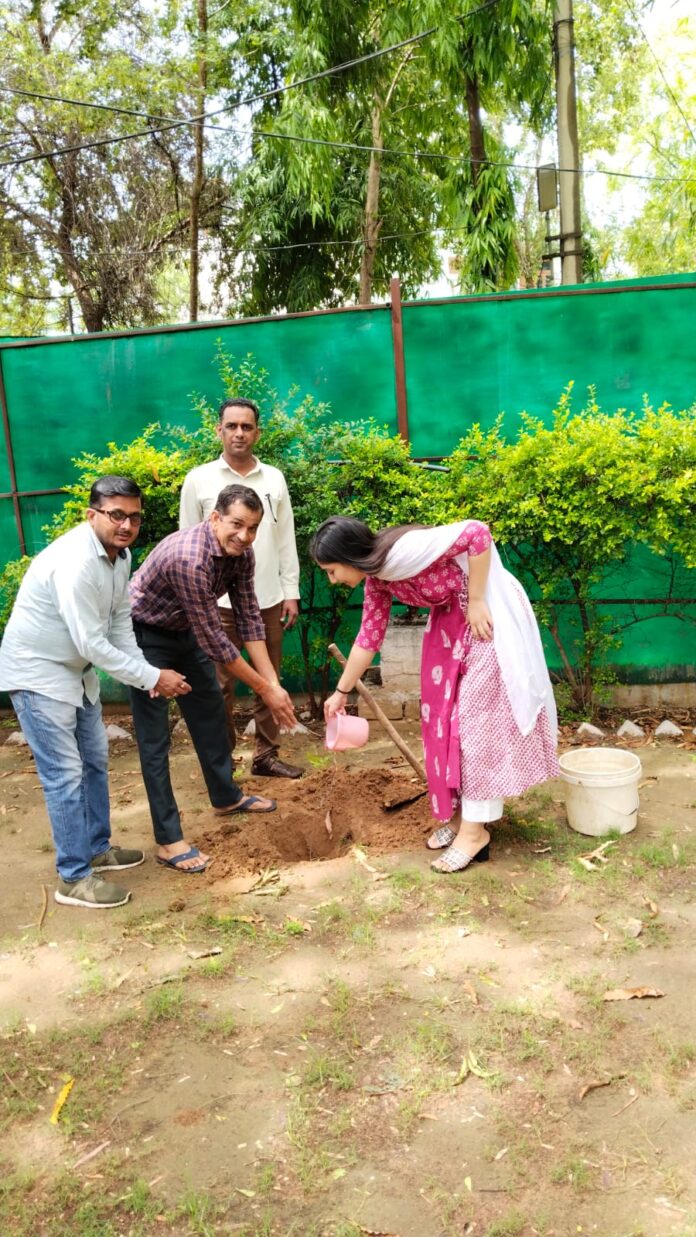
pixel 343 539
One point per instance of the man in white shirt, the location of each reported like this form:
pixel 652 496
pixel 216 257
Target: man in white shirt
pixel 277 576
pixel 72 613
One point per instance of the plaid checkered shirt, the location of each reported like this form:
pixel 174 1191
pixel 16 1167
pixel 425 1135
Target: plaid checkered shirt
pixel 178 586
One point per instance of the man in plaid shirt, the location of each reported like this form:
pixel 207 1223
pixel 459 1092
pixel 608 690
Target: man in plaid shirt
pixel 174 604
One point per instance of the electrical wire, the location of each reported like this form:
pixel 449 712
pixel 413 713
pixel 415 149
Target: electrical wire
pixel 175 249
pixel 258 98
pixel 495 163
pixel 356 146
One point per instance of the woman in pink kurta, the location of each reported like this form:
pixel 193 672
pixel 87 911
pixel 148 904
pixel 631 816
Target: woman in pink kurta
pixel 487 711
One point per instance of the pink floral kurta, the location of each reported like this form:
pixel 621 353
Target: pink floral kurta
pixel 472 746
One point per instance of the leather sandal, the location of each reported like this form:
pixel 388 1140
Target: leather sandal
pixel 270 765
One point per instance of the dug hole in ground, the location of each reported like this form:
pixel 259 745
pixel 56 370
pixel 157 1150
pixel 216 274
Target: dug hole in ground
pixel 319 1036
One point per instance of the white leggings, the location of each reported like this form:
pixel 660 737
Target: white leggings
pixel 482 811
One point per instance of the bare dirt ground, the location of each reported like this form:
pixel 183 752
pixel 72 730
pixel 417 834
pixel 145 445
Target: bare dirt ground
pixel 321 1038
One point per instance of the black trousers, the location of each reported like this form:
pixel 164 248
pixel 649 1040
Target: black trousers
pixel 203 711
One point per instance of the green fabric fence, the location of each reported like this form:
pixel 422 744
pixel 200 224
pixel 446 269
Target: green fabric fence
pixel 462 360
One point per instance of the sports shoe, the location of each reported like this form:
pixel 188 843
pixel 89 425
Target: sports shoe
pixel 117 858
pixel 92 892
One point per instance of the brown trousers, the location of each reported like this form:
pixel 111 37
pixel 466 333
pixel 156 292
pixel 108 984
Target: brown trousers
pixel 267 730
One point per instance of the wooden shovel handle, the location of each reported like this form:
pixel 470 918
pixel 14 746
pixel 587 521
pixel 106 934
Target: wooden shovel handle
pixel 381 717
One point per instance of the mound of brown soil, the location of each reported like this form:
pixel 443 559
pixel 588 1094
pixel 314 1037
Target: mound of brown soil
pixel 320 817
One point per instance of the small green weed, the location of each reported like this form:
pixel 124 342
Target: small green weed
pixel 200 1213
pixel 432 1040
pixel 681 1057
pixel 408 880
pixel 510 1225
pixel 331 915
pixel 165 1003
pixel 574 1171
pixel 318 762
pixel 311 1161
pixel 222 1027
pixel 230 927
pixel 659 855
pixel 325 1071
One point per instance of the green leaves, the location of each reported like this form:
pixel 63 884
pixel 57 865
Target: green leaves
pixel 566 503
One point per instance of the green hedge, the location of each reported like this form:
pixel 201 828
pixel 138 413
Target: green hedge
pixel 566 502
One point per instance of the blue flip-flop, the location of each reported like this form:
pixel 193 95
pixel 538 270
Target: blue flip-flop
pixel 245 805
pixel 176 860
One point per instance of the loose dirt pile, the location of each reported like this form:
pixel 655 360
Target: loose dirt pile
pixel 320 817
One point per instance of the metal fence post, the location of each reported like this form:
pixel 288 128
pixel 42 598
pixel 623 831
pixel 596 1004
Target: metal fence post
pixel 399 359
pixel 11 463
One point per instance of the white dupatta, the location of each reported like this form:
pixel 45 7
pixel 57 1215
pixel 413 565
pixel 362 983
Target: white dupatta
pixel 516 636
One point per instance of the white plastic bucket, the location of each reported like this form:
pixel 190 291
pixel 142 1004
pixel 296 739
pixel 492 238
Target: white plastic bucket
pixel 601 789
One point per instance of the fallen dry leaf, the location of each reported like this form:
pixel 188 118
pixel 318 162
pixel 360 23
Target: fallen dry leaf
pixel 376 1232
pixel 471 1065
pixel 600 928
pixel 361 858
pixel 628 994
pixel 597 855
pixel 525 897
pixel 593 1086
pixel 463 1072
pixel 652 907
pixel 471 992
pixel 267 881
pixel 563 894
pixel 62 1097
pixel 328 824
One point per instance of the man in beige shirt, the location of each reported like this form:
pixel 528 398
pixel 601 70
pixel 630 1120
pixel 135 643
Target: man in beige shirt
pixel 277 577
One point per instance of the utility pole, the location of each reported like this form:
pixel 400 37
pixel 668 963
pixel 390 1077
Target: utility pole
pixel 198 180
pixel 568 151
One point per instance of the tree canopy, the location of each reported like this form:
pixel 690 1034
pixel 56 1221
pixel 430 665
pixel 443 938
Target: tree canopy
pixel 304 194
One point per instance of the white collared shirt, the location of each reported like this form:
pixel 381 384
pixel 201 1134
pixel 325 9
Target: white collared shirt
pixel 72 613
pixel 277 576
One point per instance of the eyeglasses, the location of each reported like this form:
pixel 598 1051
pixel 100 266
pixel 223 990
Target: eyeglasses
pixel 120 517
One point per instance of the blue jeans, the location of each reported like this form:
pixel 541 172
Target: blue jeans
pixel 71 752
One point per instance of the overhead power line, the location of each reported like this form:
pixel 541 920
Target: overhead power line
pixel 660 70
pixel 357 146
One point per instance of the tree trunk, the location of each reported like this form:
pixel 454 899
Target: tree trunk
pixel 372 221
pixel 477 144
pixel 92 311
pixel 198 164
